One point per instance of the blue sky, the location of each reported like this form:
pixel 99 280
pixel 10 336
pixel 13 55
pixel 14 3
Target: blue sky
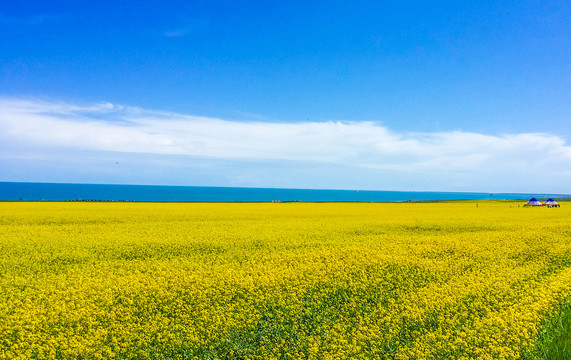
pixel 451 96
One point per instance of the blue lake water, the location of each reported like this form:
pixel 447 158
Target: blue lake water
pixel 14 191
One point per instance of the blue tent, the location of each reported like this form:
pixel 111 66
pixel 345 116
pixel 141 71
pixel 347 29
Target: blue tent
pixel 533 202
pixel 551 203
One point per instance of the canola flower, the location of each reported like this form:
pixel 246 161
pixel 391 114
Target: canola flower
pixel 279 281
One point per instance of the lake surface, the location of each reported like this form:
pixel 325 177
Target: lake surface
pixel 14 191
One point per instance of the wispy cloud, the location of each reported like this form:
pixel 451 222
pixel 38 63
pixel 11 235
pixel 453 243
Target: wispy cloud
pixel 177 32
pixel 367 145
pixel 36 19
pixel 187 27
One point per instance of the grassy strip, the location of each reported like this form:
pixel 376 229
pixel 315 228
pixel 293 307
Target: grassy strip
pixel 554 342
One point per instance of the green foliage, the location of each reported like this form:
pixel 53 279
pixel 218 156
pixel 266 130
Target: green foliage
pixel 554 342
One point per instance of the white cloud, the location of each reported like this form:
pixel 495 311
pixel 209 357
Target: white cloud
pixel 367 145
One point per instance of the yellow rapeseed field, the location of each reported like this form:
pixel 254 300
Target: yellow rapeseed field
pixel 279 281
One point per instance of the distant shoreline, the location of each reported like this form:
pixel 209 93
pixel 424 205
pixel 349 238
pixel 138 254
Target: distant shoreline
pixel 563 200
pixel 14 191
